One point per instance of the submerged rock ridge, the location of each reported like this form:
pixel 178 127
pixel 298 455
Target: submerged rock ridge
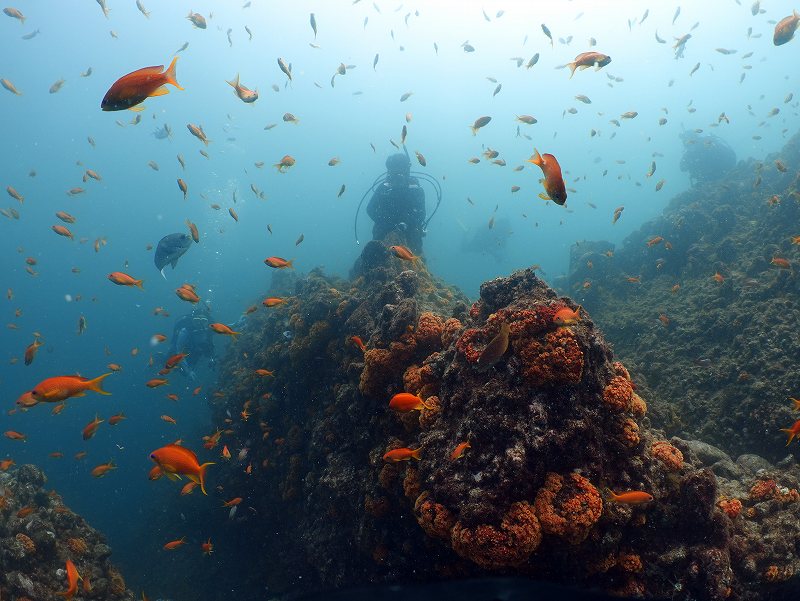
pixel 529 453
pixel 702 304
pixel 39 535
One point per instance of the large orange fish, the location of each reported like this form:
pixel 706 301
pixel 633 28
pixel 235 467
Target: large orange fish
pixel 553 181
pixel 133 88
pixel 175 460
pixel 60 388
pixel 72 581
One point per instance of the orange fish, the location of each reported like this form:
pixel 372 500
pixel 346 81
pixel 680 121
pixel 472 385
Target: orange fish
pixel 115 419
pixel 793 432
pixel 784 30
pixel 91 427
pixel 359 343
pixel 123 279
pixel 718 278
pixel 169 419
pixel 286 162
pixel 781 263
pixel 155 382
pixel 634 497
pixel 133 88
pixel 232 502
pixel 30 352
pixel 273 301
pixel 72 581
pixel 184 187
pixel 226 454
pixel 403 454
pixel 265 372
pixel 59 408
pixel 405 254
pixel 174 544
pixel 5 464
pixel 188 488
pixel 655 240
pixel 242 93
pixel 553 181
pixel 567 317
pixel 458 452
pixel 175 460
pixel 207 547
pixel 62 231
pixel 60 388
pixel 114 367
pixel 102 469
pixel 278 263
pixel 175 359
pixel 405 402
pixel 221 328
pixel 187 294
pixel 155 473
pixel 158 338
pixel 588 59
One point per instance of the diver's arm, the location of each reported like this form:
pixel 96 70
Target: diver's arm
pixel 376 204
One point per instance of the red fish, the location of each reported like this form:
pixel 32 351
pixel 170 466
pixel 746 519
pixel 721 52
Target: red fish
pixel 403 454
pixel 72 581
pixel 133 88
pixel 553 181
pixel 634 497
pixel 405 401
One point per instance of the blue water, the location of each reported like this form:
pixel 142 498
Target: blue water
pixel 134 206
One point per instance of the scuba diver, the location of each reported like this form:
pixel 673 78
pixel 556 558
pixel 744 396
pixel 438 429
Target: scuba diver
pixel 192 335
pixel 707 158
pixel 398 203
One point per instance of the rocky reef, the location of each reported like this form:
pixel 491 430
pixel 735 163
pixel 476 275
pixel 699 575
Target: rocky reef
pixel 39 535
pixel 531 452
pixel 702 305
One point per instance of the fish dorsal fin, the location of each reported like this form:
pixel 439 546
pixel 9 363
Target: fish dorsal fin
pixel 160 91
pixel 157 70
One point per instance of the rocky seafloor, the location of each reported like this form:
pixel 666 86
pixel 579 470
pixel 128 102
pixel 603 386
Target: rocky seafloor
pixel 39 534
pixel 553 425
pixel 709 322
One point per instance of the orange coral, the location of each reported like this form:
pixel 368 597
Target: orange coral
pixel 384 367
pixel 763 489
pixel 557 359
pixel 450 330
pixel 428 332
pixel 629 435
pixel 507 545
pixel 731 507
pixel 77 545
pixel 617 394
pixel 434 518
pixel 429 414
pixel 26 543
pixel 638 406
pixel 568 506
pixel 671 457
pixel 411 483
pixel 629 562
pixel 621 370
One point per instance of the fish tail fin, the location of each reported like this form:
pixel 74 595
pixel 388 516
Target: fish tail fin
pixel 572 67
pixel 138 284
pixel 536 159
pixel 96 385
pixel 791 435
pixel 290 263
pixel 474 130
pixel 170 74
pixel 417 453
pixel 235 81
pixel 202 476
